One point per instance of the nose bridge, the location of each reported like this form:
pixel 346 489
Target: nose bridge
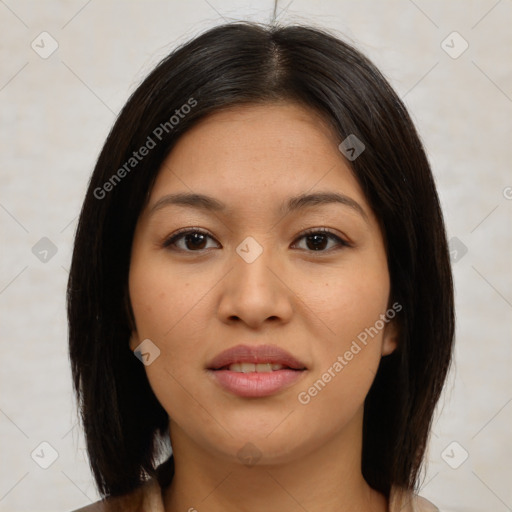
pixel 254 292
pixel 252 260
pixel 250 250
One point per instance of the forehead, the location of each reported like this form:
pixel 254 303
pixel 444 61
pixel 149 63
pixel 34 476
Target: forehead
pixel 256 155
pixel 258 130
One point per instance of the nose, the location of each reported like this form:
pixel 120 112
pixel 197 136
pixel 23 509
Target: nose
pixel 255 291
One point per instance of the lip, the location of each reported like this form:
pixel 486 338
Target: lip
pixel 255 384
pixel 255 354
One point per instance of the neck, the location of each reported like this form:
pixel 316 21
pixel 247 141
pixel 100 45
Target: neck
pixel 326 479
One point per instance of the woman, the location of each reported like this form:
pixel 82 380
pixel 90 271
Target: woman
pixel 261 281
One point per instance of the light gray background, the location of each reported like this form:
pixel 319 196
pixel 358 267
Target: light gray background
pixel 56 113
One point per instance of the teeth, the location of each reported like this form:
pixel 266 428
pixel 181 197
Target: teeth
pixel 251 367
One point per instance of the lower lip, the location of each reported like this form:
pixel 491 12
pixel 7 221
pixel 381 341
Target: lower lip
pixel 256 384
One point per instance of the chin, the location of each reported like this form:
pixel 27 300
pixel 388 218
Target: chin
pixel 250 445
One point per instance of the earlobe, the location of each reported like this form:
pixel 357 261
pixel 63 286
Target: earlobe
pixel 390 339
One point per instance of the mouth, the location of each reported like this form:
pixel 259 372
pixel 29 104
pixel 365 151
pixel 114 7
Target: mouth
pixel 255 367
pixel 255 371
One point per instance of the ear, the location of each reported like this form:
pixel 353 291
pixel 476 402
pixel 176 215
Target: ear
pixel 390 338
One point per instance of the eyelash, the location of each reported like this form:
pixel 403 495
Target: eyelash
pixel 187 231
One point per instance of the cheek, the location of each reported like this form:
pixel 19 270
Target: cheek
pixel 346 302
pixel 348 357
pixel 162 298
pixel 169 311
pixel 349 308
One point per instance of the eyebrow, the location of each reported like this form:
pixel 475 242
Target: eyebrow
pixel 296 203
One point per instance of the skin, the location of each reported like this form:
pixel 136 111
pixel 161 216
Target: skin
pixel 194 301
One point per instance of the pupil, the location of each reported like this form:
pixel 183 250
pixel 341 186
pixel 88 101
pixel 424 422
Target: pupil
pixel 315 239
pixel 197 240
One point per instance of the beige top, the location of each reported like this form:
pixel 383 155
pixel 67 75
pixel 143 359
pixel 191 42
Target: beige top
pixel 148 498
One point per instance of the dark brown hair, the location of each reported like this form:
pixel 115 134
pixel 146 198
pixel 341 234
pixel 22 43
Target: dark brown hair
pixel 241 63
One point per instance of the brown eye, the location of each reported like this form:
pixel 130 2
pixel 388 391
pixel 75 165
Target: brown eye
pixel 191 240
pixel 317 239
pixel 194 240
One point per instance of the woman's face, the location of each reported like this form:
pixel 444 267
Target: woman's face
pixel 248 273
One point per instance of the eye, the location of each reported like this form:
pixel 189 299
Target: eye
pixel 194 240
pixel 317 238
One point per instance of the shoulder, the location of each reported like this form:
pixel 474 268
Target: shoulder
pixel 402 500
pixel 145 498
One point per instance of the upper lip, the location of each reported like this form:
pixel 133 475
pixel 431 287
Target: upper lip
pixel 255 354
